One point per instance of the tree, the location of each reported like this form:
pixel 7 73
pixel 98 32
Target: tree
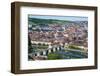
pixel 53 56
pixel 30 49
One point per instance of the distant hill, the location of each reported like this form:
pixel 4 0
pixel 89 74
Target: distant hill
pixel 35 21
pixel 45 22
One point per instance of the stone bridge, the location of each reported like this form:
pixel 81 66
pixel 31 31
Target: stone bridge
pixel 44 53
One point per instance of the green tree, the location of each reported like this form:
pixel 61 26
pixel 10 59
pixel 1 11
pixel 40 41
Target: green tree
pixel 53 56
pixel 30 49
pixel 74 47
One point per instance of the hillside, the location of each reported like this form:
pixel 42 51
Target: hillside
pixel 35 21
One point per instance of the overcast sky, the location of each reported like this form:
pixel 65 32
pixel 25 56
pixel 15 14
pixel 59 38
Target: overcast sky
pixel 69 18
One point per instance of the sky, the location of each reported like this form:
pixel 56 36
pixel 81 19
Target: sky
pixel 70 18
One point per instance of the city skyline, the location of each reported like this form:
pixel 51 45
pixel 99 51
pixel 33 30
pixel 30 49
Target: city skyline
pixel 57 37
